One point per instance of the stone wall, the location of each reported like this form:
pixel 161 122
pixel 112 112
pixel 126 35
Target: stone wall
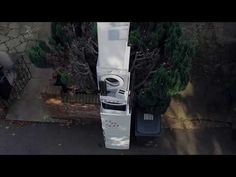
pixel 16 37
pixel 71 109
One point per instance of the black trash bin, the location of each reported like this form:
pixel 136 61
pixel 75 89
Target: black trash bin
pixel 147 125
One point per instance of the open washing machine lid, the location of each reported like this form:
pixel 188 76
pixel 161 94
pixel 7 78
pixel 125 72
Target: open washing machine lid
pixel 113 81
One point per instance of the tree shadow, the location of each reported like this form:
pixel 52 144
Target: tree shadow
pixel 206 100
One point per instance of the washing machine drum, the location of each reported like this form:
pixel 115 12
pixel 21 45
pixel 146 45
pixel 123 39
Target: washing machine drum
pixel 113 81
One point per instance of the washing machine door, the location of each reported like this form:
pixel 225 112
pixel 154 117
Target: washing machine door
pixel 113 81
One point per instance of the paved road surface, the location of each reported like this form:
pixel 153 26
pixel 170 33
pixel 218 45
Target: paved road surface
pixel 48 138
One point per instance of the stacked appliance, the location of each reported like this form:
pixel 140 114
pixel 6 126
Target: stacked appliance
pixel 113 79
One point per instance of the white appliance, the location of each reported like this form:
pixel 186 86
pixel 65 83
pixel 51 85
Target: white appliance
pixel 113 79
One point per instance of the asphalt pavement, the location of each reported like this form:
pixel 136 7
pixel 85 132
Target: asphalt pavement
pixel 59 139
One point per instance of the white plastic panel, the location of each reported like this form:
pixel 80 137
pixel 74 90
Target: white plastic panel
pixel 116 129
pixel 112 44
pixel 121 142
pixel 116 124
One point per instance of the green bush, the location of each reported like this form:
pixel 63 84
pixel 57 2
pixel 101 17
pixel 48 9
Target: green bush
pixel 37 54
pixel 135 39
pixel 173 73
pixel 155 95
pixel 59 37
pixel 64 78
pixel 94 30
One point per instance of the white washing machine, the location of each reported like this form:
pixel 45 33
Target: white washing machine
pixel 113 79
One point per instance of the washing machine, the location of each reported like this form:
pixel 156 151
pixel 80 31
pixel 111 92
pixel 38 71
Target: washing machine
pixel 113 79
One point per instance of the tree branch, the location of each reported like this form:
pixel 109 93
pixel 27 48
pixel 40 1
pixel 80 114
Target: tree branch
pixel 145 79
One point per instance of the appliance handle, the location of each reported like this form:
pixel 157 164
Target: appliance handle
pixel 114 104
